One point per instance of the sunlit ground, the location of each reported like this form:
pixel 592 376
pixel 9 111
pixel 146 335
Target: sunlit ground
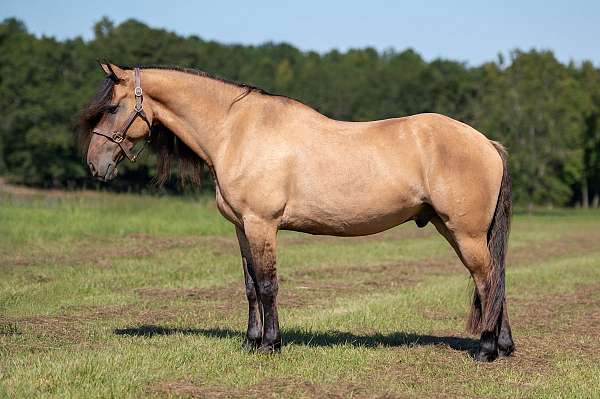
pixel 127 296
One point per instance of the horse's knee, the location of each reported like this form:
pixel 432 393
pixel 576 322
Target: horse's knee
pixel 251 291
pixel 267 290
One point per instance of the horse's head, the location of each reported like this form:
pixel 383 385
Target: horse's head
pixel 116 121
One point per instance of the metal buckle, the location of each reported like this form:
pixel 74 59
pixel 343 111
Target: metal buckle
pixel 138 91
pixel 117 138
pixel 138 107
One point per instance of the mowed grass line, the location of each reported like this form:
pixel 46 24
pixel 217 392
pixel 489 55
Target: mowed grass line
pixel 168 321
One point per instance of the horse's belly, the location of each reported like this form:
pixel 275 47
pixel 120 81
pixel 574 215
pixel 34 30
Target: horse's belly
pixel 351 200
pixel 353 219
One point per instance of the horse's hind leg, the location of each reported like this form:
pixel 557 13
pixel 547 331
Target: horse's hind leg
pixel 475 255
pixel 473 251
pixel 506 346
pixel 253 338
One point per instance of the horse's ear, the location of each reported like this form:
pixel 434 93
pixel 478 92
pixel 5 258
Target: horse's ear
pixel 112 71
pixel 104 66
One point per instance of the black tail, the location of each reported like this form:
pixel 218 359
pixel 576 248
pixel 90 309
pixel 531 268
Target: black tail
pixel 487 319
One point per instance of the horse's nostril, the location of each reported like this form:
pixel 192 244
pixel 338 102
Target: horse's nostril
pixel 92 169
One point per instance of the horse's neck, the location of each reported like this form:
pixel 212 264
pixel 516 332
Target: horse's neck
pixel 193 107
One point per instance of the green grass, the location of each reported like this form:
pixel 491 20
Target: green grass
pixel 126 296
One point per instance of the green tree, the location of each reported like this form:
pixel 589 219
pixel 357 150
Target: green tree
pixel 590 180
pixel 537 108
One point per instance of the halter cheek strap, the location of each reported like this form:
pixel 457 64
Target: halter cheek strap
pixel 119 136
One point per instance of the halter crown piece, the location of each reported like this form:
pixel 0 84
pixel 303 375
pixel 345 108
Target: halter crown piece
pixel 118 136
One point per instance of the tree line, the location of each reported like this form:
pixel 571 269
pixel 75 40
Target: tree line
pixel 545 112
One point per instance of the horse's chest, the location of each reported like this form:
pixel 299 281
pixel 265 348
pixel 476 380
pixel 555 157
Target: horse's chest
pixel 225 208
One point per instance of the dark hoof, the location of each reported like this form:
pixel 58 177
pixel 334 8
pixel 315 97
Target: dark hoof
pixel 485 357
pixel 506 350
pixel 506 346
pixel 251 344
pixel 488 348
pixel 270 348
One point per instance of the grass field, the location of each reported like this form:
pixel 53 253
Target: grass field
pixel 105 295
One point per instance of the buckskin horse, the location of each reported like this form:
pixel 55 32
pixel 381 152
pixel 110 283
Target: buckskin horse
pixel 280 165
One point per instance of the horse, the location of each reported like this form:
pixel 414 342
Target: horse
pixel 280 165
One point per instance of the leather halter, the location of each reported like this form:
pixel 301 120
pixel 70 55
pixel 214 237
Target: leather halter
pixel 118 136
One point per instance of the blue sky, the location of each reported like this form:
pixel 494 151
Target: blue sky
pixel 470 31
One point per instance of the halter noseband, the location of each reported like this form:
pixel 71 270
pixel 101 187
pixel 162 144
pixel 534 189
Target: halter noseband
pixel 118 137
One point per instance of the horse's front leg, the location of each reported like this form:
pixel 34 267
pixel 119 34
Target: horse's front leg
pixel 254 333
pixel 261 236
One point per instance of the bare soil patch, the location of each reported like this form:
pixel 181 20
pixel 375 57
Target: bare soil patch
pixel 568 321
pixel 103 251
pixel 568 244
pixel 275 388
pixel 25 191
pixel 216 294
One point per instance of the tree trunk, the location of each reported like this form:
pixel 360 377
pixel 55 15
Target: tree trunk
pixel 585 203
pixel 585 195
pixel 596 200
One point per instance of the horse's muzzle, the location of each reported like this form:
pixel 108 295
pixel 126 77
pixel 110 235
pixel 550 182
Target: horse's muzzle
pixel 109 174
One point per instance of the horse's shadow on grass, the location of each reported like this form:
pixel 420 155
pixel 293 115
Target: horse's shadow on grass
pixel 317 339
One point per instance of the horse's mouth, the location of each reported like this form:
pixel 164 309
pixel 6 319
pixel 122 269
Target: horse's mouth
pixel 111 173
